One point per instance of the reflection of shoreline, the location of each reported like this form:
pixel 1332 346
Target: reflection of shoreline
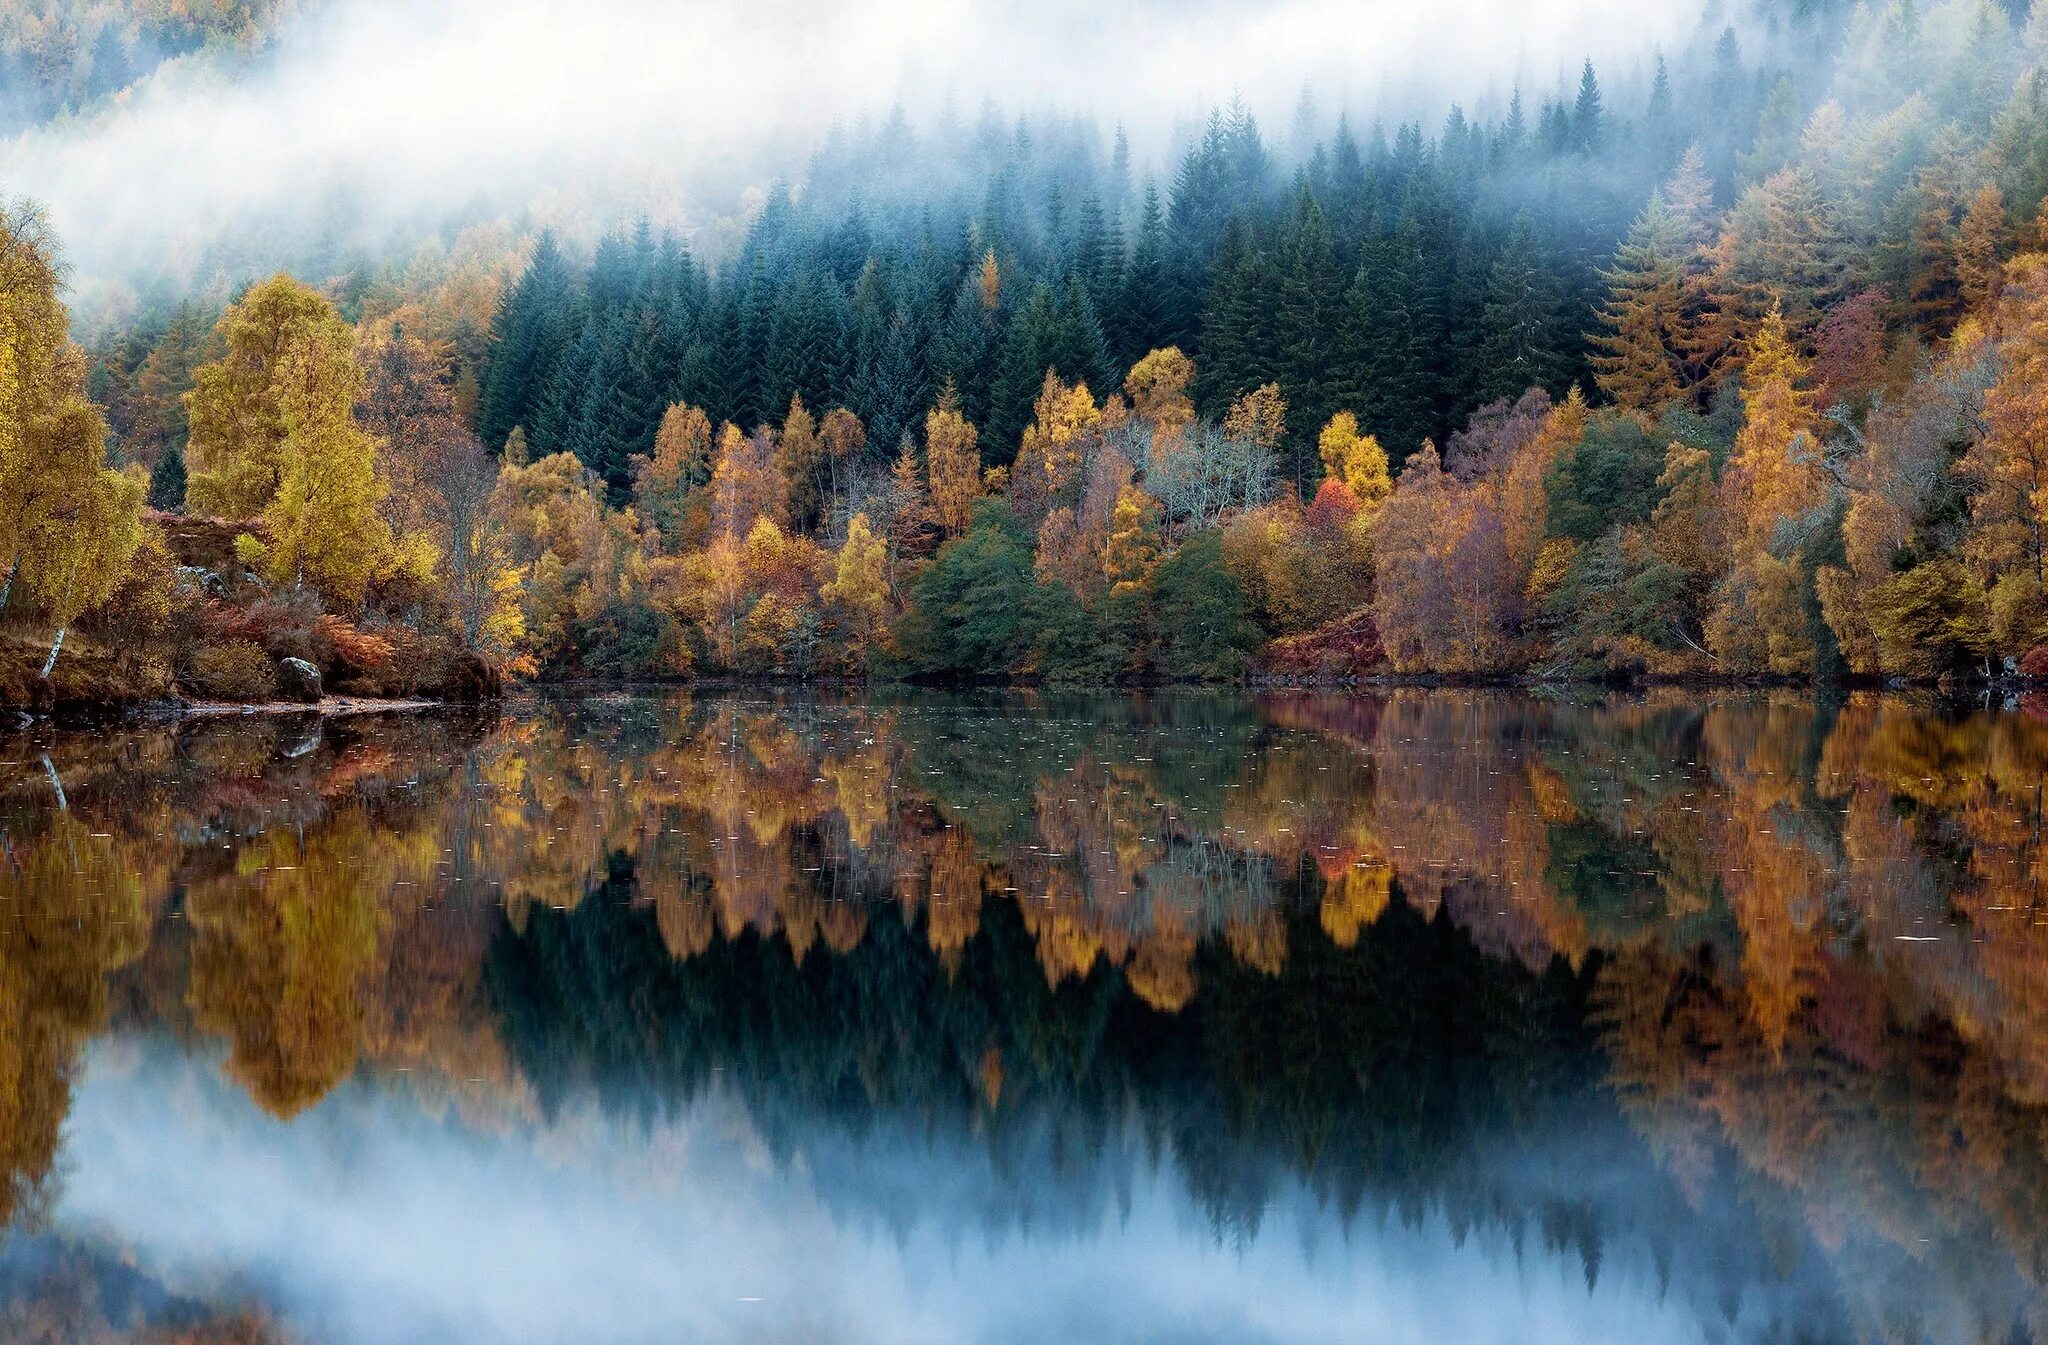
pixel 328 707
pixel 1736 874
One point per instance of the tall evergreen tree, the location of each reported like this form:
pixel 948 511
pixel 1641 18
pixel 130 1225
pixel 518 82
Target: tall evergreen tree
pixel 527 340
pixel 1305 305
pixel 1519 342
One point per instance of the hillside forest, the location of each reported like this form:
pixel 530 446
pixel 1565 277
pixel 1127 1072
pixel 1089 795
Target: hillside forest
pixel 1736 369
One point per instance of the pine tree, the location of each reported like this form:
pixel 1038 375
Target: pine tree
pixel 1146 312
pixel 1238 346
pixel 807 349
pixel 1518 327
pixel 167 481
pixel 1027 356
pixel 1383 358
pixel 1588 119
pixel 967 351
pixel 1777 132
pixel 800 458
pixel 1305 326
pixel 526 340
pixel 1980 247
pixel 1658 126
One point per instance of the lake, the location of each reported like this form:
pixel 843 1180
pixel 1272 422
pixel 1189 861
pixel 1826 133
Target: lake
pixel 926 1017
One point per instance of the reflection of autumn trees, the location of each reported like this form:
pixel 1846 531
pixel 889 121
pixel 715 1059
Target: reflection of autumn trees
pixel 282 956
pixel 1907 1157
pixel 325 874
pixel 70 912
pixel 297 892
pixel 64 1290
pixel 1815 928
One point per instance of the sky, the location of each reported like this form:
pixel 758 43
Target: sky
pixel 383 118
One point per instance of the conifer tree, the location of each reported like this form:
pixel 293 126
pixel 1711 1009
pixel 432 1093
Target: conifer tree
pixel 167 481
pixel 1642 319
pixel 1239 348
pixel 1518 347
pixel 678 471
pixel 799 456
pixel 1305 303
pixel 1588 118
pixel 527 340
pixel 1980 247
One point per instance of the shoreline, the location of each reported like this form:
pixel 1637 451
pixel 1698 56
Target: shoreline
pixel 171 711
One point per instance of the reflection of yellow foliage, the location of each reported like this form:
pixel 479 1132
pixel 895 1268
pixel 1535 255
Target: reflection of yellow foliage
pixel 280 958
pixel 992 1076
pixel 1353 900
pixel 1550 794
pixel 1259 940
pixel 1161 970
pixel 70 912
pixel 685 919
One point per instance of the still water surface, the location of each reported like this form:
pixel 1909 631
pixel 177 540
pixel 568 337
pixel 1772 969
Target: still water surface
pixel 1417 1017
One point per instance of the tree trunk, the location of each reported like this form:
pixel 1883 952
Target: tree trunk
pixel 63 804
pixel 7 585
pixel 63 625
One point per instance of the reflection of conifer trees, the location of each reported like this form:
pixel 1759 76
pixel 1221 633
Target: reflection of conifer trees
pixel 1343 943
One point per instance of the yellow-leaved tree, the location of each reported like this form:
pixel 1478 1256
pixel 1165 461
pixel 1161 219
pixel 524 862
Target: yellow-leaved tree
pixel 1357 460
pixel 952 463
pixel 274 435
pixel 1132 552
pixel 798 456
pixel 667 485
pixel 860 582
pixel 1050 456
pixel 1771 490
pixel 73 522
pixel 1158 388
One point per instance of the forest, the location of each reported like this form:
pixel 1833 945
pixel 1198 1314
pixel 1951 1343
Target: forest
pixel 1738 369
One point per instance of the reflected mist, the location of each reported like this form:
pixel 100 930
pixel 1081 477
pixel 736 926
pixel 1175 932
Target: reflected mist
pixel 1416 1016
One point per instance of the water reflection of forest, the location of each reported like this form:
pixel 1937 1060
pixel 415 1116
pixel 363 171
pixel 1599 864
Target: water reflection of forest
pixel 1457 954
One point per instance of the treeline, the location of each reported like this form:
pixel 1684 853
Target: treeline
pixel 1735 374
pixel 64 56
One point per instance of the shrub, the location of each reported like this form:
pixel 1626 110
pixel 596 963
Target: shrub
pixel 231 670
pixel 969 609
pixel 281 623
pixel 1199 611
pixel 349 648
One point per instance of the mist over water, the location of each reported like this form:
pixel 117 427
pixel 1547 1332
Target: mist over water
pixel 367 1222
pixel 372 123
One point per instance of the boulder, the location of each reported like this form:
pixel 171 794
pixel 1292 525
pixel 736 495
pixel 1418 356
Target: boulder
pixel 298 680
pixel 201 578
